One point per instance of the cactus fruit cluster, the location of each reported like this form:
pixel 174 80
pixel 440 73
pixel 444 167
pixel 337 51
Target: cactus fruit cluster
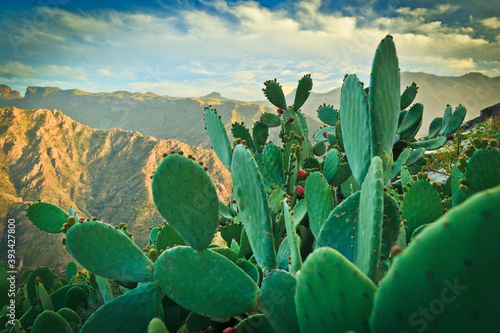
pixel 343 235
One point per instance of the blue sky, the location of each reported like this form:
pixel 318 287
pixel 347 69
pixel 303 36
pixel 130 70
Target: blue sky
pixel 188 48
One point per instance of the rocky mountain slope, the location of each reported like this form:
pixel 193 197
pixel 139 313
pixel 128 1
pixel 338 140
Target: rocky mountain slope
pixel 163 117
pixel 46 155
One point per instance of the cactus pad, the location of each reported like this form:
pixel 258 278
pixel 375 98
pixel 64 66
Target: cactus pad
pixel 186 197
pixel 47 217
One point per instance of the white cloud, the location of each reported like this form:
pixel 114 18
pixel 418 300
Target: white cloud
pixel 492 22
pixel 234 46
pixel 14 69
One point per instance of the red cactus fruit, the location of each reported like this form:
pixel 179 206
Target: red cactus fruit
pixel 302 174
pixel 290 119
pixel 450 137
pixel 229 330
pixel 234 201
pixel 300 190
pixel 325 134
pixel 280 111
pixel 396 250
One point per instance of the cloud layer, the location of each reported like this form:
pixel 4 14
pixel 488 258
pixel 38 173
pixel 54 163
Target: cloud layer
pixel 232 47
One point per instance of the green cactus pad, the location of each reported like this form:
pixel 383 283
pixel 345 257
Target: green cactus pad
pixel 270 119
pixel 408 96
pixel 457 196
pixel 355 126
pixel 260 132
pixel 239 131
pixel 391 225
pixel 218 137
pixel 168 237
pixel 256 323
pixel 319 148
pixel 47 278
pixel 244 244
pixel 332 294
pixel 402 159
pixel 289 125
pixel 447 279
pixel 303 90
pixel 196 322
pixel 319 137
pixel 283 255
pixel 50 322
pixel 303 123
pixel 232 231
pixel 43 297
pixel 277 301
pixel 446 116
pixel 415 155
pixel 76 299
pixel 328 115
pixel 343 173
pixel 273 162
pixel 483 170
pixel 384 99
pixel 205 282
pixel 431 144
pixel 369 227
pixel 104 288
pixel 299 212
pixel 130 312
pixel 409 135
pixel 421 204
pixel 435 127
pixel 186 197
pixel 319 201
pixel 332 162
pixel 71 270
pixel 226 252
pixel 156 325
pixel 248 268
pixel 153 233
pixel 104 250
pixel 71 317
pixel 339 230
pixel 47 217
pixel 349 187
pixel 274 93
pixel 251 199
pixel 293 240
pixel 455 120
pixel 413 117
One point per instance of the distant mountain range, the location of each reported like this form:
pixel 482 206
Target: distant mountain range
pixel 475 91
pixel 163 117
pixel 46 155
pixel 177 118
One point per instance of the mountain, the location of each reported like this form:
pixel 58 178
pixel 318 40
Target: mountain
pixel 475 91
pixel 8 94
pixel 163 117
pixel 46 155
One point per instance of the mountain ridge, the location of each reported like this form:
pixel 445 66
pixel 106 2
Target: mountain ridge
pixel 46 155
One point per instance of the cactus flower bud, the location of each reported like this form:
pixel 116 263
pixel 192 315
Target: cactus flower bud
pixel 302 174
pixel 300 190
pixel 325 134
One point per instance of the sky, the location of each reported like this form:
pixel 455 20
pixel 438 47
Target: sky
pixel 185 48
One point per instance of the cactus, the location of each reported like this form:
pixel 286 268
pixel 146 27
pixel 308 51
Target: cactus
pixel 449 263
pixel 47 217
pixel 332 294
